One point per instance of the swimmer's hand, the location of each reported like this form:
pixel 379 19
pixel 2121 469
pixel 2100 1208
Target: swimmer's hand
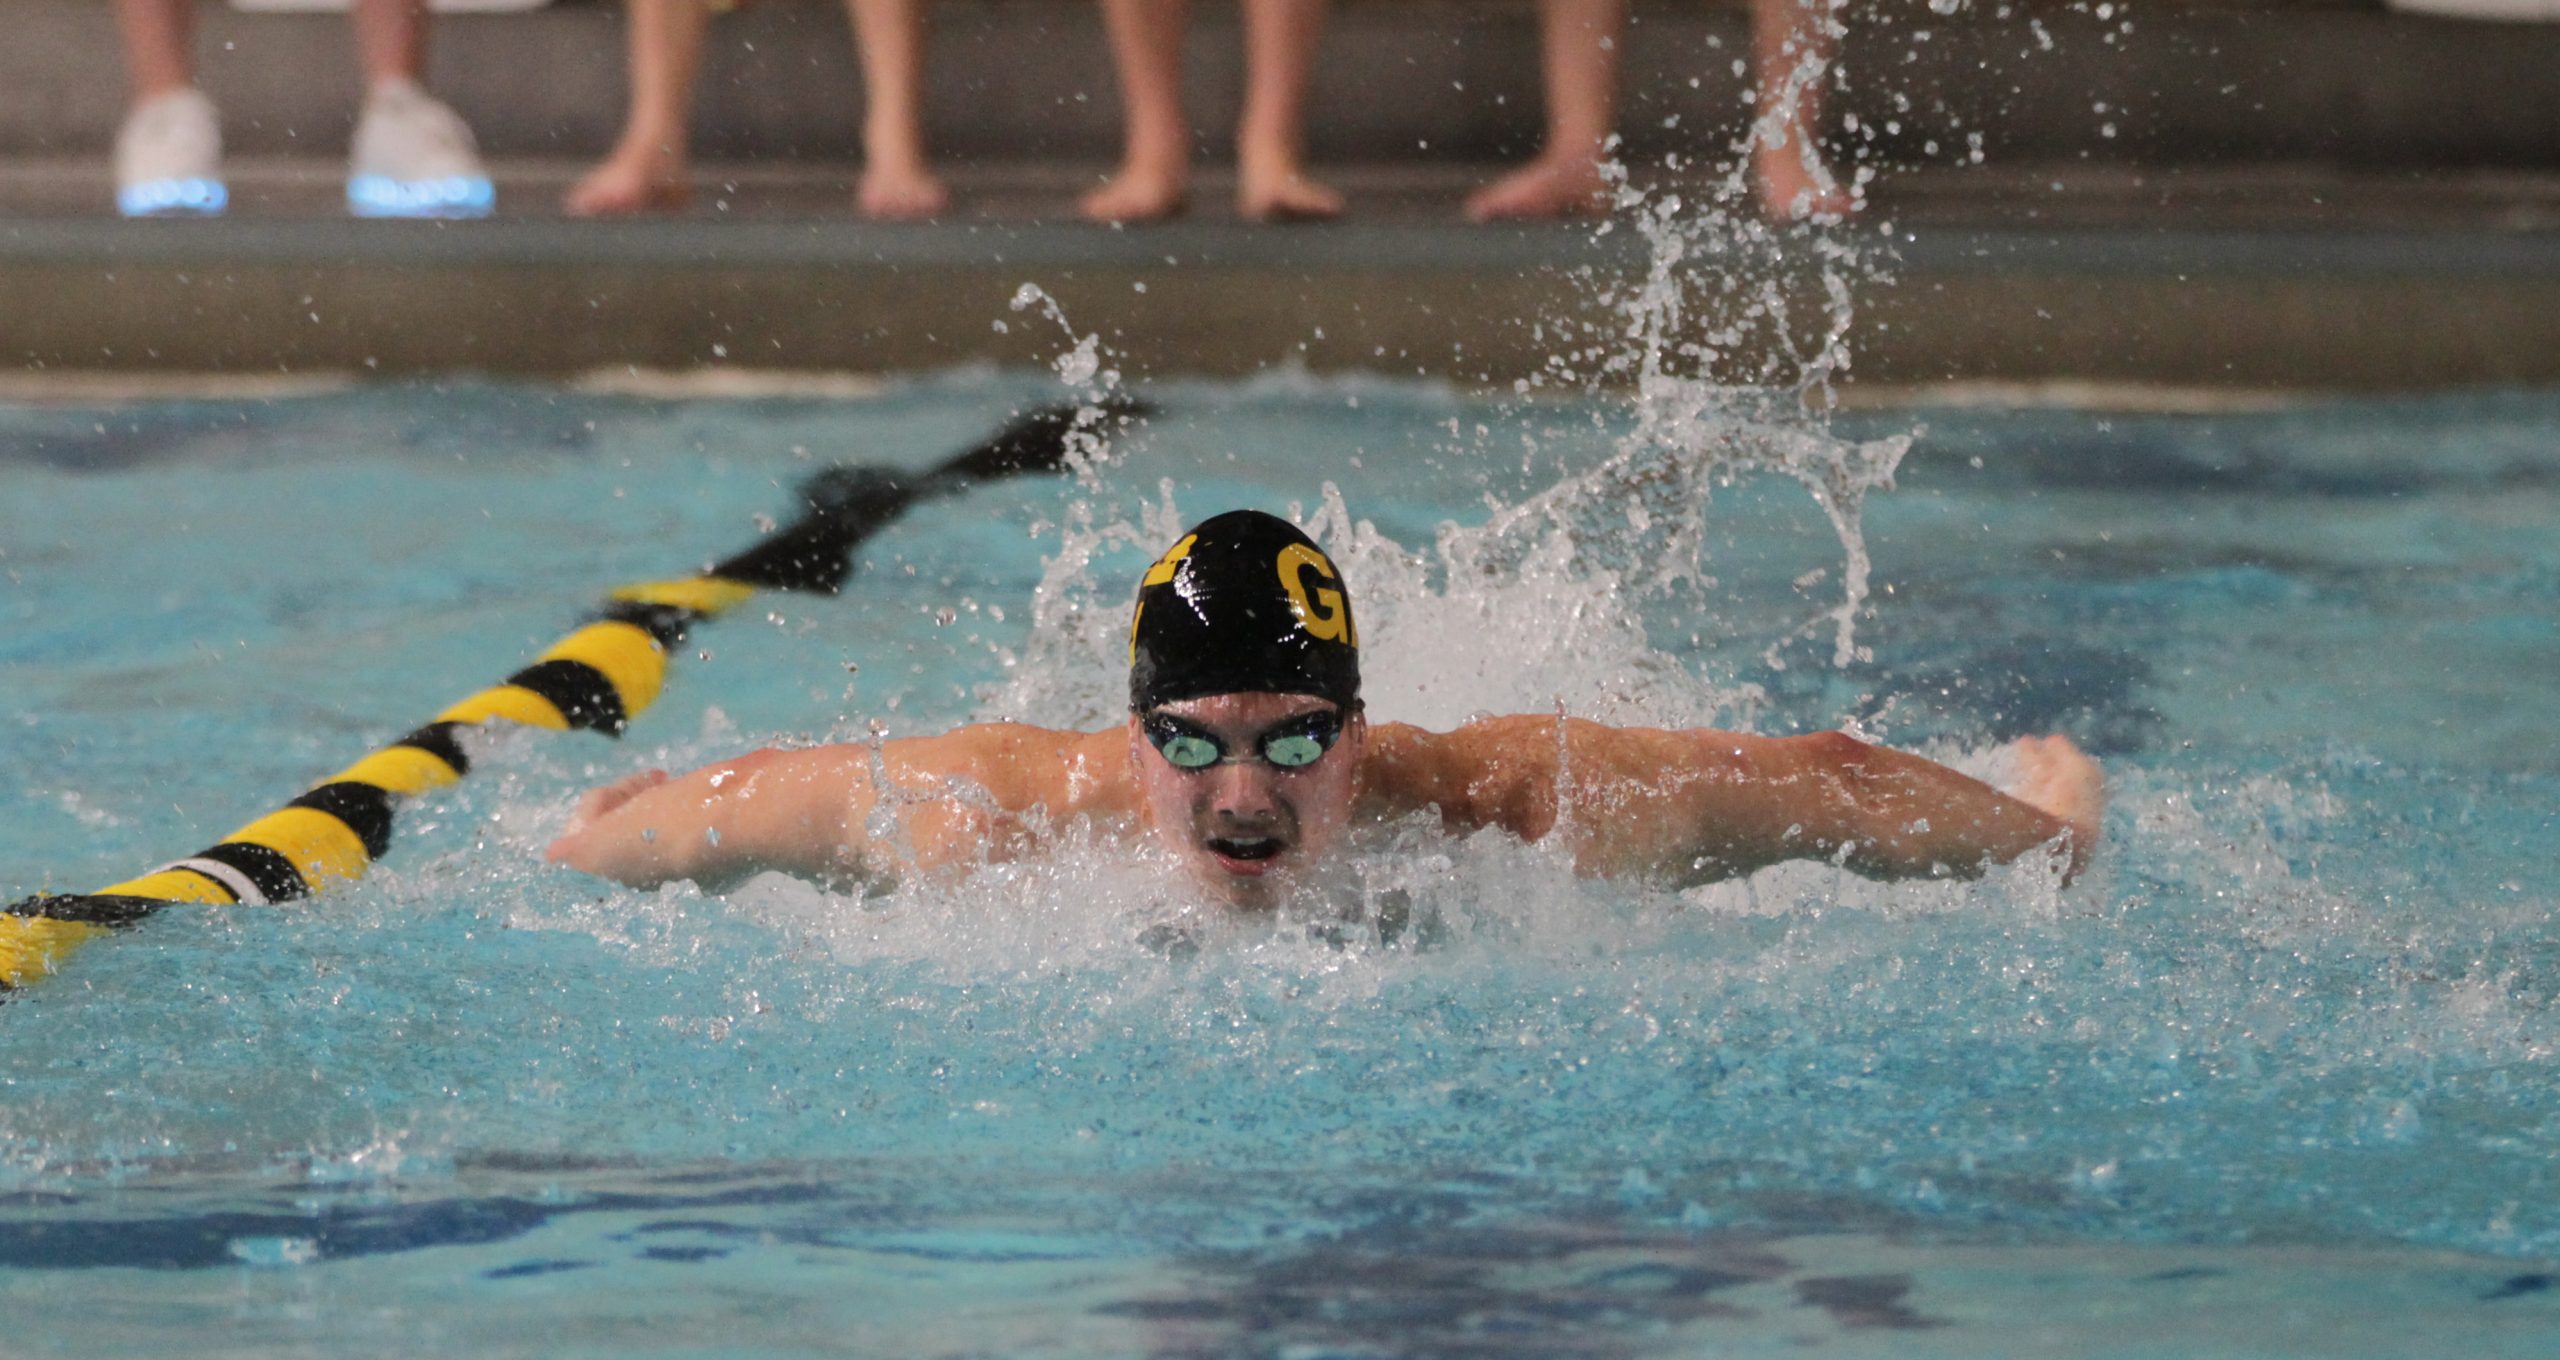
pixel 580 846
pixel 595 803
pixel 2059 780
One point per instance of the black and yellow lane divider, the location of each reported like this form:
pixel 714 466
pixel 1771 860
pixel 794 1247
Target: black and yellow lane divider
pixel 598 678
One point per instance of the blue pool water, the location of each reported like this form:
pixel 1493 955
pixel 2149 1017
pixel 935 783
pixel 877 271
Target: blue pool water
pixel 2281 1077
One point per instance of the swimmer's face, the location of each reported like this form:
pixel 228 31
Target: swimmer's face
pixel 1246 825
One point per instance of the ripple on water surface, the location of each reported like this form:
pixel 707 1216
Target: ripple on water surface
pixel 2306 1001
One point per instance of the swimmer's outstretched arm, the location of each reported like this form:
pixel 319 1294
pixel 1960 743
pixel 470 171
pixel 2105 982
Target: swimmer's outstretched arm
pixel 956 800
pixel 786 810
pixel 1699 805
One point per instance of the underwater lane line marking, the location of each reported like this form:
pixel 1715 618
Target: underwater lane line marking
pixel 597 678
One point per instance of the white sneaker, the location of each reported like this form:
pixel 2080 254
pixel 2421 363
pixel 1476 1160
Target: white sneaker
pixel 169 158
pixel 413 157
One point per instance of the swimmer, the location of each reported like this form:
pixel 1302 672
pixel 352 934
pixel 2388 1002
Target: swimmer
pixel 1247 758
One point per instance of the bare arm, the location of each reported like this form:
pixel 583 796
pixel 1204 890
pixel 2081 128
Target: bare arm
pixel 1698 805
pixel 929 804
pixel 1888 814
pixel 786 810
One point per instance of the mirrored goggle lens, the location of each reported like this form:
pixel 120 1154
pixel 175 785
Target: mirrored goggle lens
pixel 1290 750
pixel 1292 744
pixel 1187 750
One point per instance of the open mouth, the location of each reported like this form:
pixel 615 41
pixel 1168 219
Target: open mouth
pixel 1245 854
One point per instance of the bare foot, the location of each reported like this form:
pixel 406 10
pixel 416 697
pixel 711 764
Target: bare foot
pixel 1793 191
pixel 1136 195
pixel 1550 186
pixel 2058 779
pixel 1272 183
pixel 900 194
pixel 1266 196
pixel 629 182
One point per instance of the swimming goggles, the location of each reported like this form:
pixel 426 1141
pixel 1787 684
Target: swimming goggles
pixel 1290 744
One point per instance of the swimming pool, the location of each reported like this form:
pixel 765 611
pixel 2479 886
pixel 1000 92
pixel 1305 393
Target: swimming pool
pixel 2281 1078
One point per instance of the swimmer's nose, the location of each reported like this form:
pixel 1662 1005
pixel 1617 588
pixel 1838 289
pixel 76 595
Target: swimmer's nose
pixel 1241 796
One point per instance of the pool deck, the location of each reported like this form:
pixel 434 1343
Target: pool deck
pixel 2391 223
pixel 2240 280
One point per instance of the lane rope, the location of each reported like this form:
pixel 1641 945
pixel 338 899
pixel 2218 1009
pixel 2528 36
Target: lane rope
pixel 598 678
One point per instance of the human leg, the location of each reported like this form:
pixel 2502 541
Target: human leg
pixel 1280 39
pixel 1793 44
pixel 1154 179
pixel 412 155
pixel 391 39
pixel 168 157
pixel 646 168
pixel 897 182
pixel 1578 58
pixel 159 45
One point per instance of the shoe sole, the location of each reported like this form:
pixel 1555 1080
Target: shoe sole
pixel 457 196
pixel 192 197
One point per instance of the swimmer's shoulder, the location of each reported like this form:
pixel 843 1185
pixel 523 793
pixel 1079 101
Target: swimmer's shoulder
pixel 1023 766
pixel 1463 750
pixel 1410 768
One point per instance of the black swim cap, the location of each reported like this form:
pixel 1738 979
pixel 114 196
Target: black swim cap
pixel 1244 603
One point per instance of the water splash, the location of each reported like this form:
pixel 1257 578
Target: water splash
pixel 1734 338
pixel 1723 350
pixel 1081 369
